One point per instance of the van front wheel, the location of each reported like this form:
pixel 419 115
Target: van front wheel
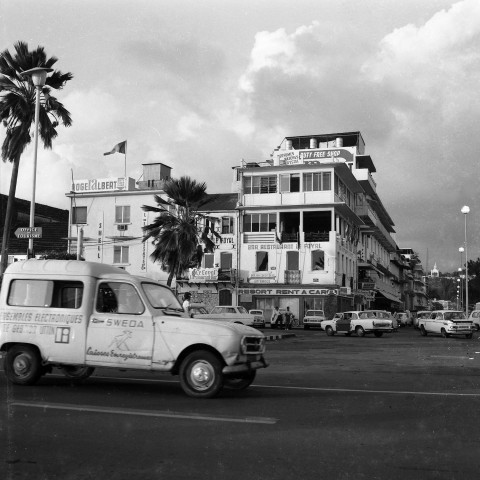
pixel 201 374
pixel 23 365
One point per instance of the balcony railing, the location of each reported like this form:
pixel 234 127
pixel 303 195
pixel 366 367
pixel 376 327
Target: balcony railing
pixel 293 277
pixel 317 236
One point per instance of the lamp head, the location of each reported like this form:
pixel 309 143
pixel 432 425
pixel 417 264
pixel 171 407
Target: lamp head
pixel 461 249
pixel 38 74
pixel 465 209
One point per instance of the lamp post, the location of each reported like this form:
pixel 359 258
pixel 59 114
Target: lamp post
pixel 466 210
pixel 460 270
pixel 39 76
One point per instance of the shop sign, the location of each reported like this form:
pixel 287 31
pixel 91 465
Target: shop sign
pixel 202 274
pixel 273 246
pixel 100 185
pixel 326 156
pixel 288 292
pixel 368 294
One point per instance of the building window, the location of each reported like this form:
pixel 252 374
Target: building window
pixel 290 183
pixel 227 225
pixel 120 254
pixel 315 182
pixel 259 184
pixel 260 222
pixel 122 214
pixel 208 260
pixel 225 261
pixel 318 260
pixel 79 215
pixel 292 260
pixel 262 261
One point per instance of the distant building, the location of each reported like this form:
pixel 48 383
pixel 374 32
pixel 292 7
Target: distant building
pixel 53 221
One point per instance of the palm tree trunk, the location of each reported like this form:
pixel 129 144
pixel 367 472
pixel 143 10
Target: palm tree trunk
pixel 8 215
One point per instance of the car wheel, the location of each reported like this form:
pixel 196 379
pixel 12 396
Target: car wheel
pixel 240 382
pixel 201 374
pixel 477 326
pixel 423 332
pixel 77 373
pixel 469 335
pixel 23 365
pixel 329 331
pixel 444 333
pixel 360 331
pixel 378 334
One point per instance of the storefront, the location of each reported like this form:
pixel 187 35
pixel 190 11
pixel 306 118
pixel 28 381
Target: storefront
pixel 299 299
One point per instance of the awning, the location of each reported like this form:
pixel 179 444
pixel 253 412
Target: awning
pixel 389 296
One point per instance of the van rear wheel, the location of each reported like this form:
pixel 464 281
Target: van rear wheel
pixel 360 331
pixel 77 373
pixel 23 365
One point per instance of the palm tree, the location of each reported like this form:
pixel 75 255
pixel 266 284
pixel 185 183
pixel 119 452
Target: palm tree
pixel 174 231
pixel 17 113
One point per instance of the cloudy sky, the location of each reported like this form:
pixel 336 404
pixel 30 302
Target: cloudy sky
pixel 201 85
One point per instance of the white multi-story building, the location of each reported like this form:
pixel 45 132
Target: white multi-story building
pixel 306 216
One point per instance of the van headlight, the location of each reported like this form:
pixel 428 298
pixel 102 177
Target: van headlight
pixel 252 345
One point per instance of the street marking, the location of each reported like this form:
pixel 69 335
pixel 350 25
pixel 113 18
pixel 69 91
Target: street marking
pixel 354 390
pixel 146 413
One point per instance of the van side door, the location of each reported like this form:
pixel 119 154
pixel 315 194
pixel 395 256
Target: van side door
pixel 120 330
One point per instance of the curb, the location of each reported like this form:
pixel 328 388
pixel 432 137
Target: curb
pixel 279 336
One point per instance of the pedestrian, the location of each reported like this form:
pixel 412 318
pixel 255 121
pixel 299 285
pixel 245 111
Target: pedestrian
pixel 186 301
pixel 275 317
pixel 288 319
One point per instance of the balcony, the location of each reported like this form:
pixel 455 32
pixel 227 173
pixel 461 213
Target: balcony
pixel 317 236
pixel 293 277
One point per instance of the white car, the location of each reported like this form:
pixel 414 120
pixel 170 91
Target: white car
pixel 313 318
pixel 447 323
pixel 232 314
pixel 475 318
pixel 259 318
pixel 359 322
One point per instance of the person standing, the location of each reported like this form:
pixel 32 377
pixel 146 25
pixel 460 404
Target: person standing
pixel 186 302
pixel 288 319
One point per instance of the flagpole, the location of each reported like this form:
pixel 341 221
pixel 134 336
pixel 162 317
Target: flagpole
pixel 125 159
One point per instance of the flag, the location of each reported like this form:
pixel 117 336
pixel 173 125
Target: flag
pixel 119 147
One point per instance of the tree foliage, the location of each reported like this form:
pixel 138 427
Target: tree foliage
pixel 174 231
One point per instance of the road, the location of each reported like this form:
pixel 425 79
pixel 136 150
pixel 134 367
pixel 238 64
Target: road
pixel 397 407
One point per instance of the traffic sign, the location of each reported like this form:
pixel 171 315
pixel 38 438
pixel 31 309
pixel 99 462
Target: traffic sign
pixel 28 232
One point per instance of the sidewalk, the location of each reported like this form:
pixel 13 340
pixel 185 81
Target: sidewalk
pixel 269 337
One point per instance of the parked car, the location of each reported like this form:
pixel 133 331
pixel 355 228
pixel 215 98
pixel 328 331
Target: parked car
pixel 260 317
pixel 447 323
pixel 232 314
pixel 359 322
pixel 421 314
pixel 475 318
pixel 313 318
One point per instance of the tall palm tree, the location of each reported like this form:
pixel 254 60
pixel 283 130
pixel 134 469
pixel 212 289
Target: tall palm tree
pixel 175 233
pixel 17 113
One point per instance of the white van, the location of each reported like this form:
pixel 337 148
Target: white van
pixel 77 315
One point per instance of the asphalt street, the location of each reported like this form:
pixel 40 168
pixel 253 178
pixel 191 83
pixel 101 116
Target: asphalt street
pixel 396 407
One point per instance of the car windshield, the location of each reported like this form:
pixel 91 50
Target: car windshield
pixel 454 315
pixel 161 297
pixel 315 313
pixel 198 310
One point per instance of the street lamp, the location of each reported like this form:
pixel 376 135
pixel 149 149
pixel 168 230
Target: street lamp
pixel 39 76
pixel 460 270
pixel 466 210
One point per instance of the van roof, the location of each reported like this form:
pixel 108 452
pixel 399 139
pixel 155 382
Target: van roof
pixel 63 267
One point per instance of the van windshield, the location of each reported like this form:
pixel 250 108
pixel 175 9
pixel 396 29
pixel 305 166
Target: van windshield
pixel 161 297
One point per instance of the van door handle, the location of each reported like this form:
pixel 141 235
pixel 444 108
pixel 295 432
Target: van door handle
pixel 97 320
